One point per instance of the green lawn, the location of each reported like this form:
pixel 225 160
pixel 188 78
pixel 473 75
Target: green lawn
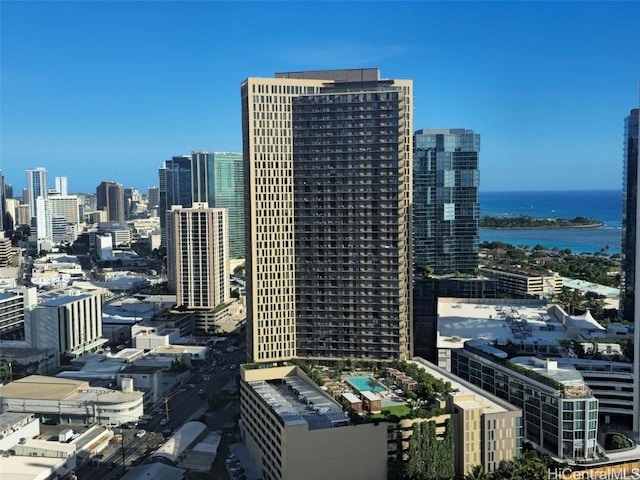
pixel 398 410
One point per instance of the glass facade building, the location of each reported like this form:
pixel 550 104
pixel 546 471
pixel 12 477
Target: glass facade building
pixel 629 215
pixel 175 188
pixel 217 179
pixel 446 207
pixel 560 412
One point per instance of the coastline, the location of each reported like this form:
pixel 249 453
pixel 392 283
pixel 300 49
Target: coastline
pixel 547 227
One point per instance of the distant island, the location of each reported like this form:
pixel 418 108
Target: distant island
pixel 525 221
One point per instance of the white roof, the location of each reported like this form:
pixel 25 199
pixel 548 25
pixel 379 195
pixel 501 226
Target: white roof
pixel 180 441
pixel 586 322
pixel 350 397
pixel 372 397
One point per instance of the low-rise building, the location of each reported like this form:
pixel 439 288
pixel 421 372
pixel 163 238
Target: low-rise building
pixel 15 426
pixel 560 411
pixel 518 282
pixel 310 437
pixel 71 400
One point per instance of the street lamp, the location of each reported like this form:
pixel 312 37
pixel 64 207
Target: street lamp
pixel 124 465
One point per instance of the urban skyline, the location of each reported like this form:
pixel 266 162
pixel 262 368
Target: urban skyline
pixel 534 96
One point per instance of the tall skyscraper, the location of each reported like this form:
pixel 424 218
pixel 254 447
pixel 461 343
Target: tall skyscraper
pixel 629 215
pixel 36 187
pixel 132 199
pixel 110 198
pixel 197 253
pixel 3 204
pixel 217 180
pixel 631 246
pixel 153 197
pixel 175 188
pixel 327 170
pixel 446 207
pixel 61 185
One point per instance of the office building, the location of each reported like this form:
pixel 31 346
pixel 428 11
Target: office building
pixel 629 215
pixel 69 323
pixel 197 256
pixel 61 186
pixel 132 199
pixel 36 187
pixel 560 412
pixel 110 198
pixel 153 197
pixel 66 207
pixel 174 188
pixel 327 217
pixel 446 207
pixel 217 180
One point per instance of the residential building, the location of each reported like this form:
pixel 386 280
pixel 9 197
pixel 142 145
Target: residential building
pixel 197 256
pixel 522 283
pixel 287 439
pixel 36 187
pixel 12 308
pixel 110 198
pixel 446 208
pixel 6 251
pixel 328 225
pixel 218 180
pixel 629 215
pixel 61 186
pixel 487 429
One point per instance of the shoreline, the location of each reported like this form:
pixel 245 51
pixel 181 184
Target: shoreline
pixel 546 227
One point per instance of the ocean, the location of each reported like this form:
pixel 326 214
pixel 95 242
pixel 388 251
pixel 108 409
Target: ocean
pixel 602 205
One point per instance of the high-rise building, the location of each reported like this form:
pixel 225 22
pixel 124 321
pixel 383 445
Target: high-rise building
pixel 3 204
pixel 61 185
pixel 328 216
pixel 132 199
pixel 36 187
pixel 153 197
pixel 175 188
pixel 629 215
pixel 110 198
pixel 446 207
pixel 197 256
pixel 217 180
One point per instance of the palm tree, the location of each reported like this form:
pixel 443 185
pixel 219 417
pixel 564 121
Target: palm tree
pixel 477 473
pixel 372 383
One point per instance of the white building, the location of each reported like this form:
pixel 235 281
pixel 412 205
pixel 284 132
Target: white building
pixel 197 256
pixel 67 400
pixel 14 426
pixel 70 323
pixel 104 247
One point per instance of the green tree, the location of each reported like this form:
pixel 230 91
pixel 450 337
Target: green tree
pixel 477 473
pixel 373 384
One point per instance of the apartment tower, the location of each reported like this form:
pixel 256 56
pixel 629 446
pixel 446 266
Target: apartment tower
pixel 36 187
pixel 174 188
pixel 197 253
pixel 328 192
pixel 446 206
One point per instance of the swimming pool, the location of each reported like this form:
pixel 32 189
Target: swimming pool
pixel 360 384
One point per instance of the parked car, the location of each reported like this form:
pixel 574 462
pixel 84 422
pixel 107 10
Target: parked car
pixel 164 421
pixel 141 433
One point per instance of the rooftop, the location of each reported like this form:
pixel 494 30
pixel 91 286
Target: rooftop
pixel 459 321
pixel 41 387
pixel 298 402
pixel 9 419
pixel 565 374
pixel 490 403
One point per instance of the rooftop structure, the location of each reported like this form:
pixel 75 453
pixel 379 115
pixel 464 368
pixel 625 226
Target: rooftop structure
pixel 173 449
pixel 292 429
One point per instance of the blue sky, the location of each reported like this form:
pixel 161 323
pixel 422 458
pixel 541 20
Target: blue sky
pixel 108 90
